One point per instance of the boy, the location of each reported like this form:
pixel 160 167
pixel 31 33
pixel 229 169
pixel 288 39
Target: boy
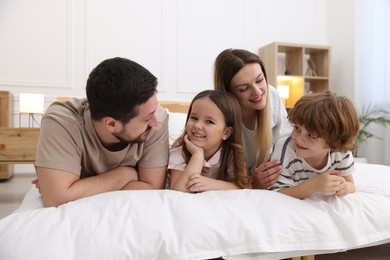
pixel 317 156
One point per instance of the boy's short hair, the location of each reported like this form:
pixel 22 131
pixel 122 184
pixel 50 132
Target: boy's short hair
pixel 328 116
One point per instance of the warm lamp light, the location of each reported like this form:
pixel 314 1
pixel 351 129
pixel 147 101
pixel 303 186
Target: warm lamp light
pixel 30 104
pixel 284 92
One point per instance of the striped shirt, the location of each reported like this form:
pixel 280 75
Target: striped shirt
pixel 295 170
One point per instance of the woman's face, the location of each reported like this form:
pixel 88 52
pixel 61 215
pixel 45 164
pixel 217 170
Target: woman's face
pixel 250 87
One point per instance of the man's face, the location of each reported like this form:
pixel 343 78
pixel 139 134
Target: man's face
pixel 136 130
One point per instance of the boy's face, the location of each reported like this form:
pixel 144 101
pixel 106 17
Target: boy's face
pixel 309 147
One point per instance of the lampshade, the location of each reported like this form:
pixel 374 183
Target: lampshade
pixel 284 91
pixel 31 103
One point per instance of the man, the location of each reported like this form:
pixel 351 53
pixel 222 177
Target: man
pixel 115 139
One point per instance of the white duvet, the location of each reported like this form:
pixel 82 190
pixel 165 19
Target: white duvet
pixel 242 224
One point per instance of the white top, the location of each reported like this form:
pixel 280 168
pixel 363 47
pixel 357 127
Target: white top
pixel 279 123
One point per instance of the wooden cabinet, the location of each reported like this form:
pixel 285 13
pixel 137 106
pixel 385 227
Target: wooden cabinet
pixel 6 170
pixel 18 145
pixel 304 68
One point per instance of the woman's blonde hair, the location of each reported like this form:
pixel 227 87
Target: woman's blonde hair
pixel 232 150
pixel 229 63
pixel 328 116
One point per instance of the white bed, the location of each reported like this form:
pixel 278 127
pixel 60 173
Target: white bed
pixel 241 224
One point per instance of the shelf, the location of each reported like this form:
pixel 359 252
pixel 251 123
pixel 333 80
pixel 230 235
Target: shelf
pixel 304 68
pixel 6 170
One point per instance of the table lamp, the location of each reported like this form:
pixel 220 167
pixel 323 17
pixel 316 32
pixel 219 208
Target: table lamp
pixel 284 91
pixel 30 104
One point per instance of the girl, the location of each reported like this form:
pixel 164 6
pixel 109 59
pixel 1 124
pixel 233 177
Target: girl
pixel 209 154
pixel 264 118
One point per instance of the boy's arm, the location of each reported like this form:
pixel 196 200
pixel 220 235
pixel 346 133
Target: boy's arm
pixel 327 183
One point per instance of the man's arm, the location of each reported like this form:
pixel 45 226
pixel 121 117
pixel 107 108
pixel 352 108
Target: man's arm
pixel 149 179
pixel 58 187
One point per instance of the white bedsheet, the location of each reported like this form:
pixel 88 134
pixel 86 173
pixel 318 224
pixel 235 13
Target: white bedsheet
pixel 243 224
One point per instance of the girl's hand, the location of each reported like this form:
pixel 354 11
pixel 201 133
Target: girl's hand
pixel 266 175
pixel 199 183
pixel 191 147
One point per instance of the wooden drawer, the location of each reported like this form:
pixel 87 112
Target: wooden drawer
pixel 18 145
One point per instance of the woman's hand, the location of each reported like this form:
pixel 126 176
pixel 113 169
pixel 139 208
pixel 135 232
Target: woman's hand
pixel 266 175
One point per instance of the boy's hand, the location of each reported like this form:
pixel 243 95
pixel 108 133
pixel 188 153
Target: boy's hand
pixel 328 183
pixel 343 188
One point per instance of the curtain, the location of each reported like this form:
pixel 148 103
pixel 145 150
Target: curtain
pixel 372 67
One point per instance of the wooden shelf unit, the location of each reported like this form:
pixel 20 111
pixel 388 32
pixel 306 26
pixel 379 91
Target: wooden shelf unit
pixel 288 64
pixel 6 170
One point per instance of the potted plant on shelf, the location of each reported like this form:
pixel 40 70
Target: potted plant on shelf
pixel 371 115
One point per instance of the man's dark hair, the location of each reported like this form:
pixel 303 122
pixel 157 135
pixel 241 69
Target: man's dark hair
pixel 117 86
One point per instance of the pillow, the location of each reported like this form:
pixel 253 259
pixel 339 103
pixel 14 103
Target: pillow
pixel 176 125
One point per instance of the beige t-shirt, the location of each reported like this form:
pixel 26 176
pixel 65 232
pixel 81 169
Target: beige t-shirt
pixel 68 142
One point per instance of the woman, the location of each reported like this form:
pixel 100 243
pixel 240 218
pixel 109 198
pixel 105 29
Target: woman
pixel 264 117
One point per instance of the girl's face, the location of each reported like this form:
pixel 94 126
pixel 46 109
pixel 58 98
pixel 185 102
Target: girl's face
pixel 206 126
pixel 309 147
pixel 250 87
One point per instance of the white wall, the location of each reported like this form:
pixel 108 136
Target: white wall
pixel 50 47
pixel 341 37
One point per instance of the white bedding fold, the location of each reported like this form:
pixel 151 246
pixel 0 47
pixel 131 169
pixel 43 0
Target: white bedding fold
pixel 242 224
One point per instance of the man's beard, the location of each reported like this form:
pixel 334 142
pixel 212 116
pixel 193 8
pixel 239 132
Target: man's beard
pixel 140 139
